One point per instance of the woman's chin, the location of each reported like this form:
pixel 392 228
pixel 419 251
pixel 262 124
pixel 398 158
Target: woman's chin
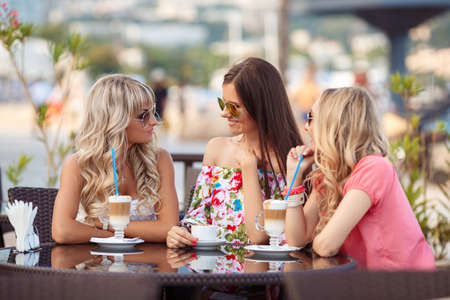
pixel 235 131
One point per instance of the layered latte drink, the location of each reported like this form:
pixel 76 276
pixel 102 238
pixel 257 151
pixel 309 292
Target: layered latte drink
pixel 119 210
pixel 274 216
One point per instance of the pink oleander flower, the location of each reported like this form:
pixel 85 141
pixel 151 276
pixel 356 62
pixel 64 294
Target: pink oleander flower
pixel 13 13
pixel 3 5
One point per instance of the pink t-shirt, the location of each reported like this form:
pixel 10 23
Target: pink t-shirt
pixel 388 236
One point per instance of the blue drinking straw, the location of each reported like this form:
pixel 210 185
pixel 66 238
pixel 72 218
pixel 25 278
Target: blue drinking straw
pixel 295 175
pixel 116 186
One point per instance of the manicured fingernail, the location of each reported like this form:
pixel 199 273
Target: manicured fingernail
pixel 304 153
pixel 194 243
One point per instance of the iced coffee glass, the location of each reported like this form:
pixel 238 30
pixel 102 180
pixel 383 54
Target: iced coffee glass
pixel 119 214
pixel 274 218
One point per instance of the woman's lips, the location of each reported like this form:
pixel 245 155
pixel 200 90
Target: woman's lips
pixel 232 123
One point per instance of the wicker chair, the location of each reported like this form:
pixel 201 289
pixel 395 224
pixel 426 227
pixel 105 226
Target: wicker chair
pixel 43 198
pixel 368 285
pixel 23 284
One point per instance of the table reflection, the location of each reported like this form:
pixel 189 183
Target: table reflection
pixel 141 259
pixel 146 258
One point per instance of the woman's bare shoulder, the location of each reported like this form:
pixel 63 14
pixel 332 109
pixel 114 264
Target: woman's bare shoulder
pixel 71 173
pixel 218 142
pixel 218 149
pixel 164 157
pixel 71 162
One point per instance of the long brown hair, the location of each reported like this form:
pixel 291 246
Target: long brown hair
pixel 261 89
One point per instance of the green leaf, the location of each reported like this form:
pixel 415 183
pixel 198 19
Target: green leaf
pixel 11 173
pixel 42 110
pixel 82 64
pixel 75 43
pixel 16 169
pixel 23 162
pixel 63 150
pixel 56 50
pixel 27 30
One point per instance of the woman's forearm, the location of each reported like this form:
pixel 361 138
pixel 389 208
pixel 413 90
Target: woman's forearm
pixel 296 232
pixel 150 231
pixel 252 204
pixel 74 232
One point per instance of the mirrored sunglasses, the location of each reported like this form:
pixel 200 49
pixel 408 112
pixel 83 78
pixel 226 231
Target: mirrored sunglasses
pixel 231 107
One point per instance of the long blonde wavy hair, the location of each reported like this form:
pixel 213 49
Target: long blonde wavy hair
pixel 345 129
pixel 113 101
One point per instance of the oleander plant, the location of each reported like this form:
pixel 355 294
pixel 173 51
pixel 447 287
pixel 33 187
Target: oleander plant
pixel 48 117
pixel 409 154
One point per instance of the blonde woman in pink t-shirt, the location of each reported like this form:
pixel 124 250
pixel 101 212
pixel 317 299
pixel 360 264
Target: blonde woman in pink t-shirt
pixel 357 206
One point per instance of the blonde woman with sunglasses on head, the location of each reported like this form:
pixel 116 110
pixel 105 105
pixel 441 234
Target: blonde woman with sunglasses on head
pixel 357 206
pixel 240 172
pixel 120 115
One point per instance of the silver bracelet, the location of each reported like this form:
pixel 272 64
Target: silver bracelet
pixel 296 200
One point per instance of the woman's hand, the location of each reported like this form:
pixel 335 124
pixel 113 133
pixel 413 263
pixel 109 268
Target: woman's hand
pixel 179 237
pixel 292 161
pixel 178 258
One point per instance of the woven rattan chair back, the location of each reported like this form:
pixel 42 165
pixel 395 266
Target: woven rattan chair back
pixel 33 283
pixel 368 285
pixel 43 198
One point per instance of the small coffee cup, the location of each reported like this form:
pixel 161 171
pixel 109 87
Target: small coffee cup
pixel 204 262
pixel 204 232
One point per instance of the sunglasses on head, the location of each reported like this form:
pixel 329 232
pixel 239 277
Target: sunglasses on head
pixel 309 117
pixel 231 107
pixel 144 117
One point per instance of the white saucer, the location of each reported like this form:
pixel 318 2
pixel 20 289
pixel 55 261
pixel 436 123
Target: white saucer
pixel 113 243
pixel 270 251
pixel 209 244
pixel 111 251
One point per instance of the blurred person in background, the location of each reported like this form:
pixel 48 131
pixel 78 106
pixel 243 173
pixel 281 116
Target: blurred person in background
pixel 307 92
pixel 241 171
pixel 159 86
pixel 120 114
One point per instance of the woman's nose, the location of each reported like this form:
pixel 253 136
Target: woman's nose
pixel 153 120
pixel 225 113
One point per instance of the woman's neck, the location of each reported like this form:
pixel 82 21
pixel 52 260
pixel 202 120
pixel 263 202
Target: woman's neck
pixel 251 139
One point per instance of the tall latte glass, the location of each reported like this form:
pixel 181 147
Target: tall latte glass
pixel 274 218
pixel 119 214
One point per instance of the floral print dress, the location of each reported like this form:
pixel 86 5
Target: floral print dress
pixel 218 200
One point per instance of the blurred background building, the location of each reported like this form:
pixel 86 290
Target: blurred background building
pixel 195 41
